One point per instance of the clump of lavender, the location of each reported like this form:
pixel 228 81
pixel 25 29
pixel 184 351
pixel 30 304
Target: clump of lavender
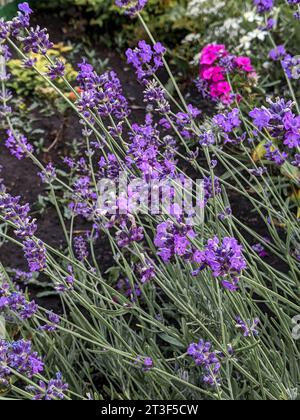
pixel 225 260
pixel 131 7
pixel 284 128
pixel 206 358
pixel 15 302
pixel 18 214
pixel 25 228
pixel 18 356
pixel 103 93
pixel 146 59
pixel 290 64
pixel 18 145
pixel 174 240
pixel 55 389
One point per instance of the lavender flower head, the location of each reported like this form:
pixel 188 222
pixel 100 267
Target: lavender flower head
pixel 54 321
pixel 49 174
pixel 80 246
pixel 131 7
pixel 18 214
pixel 25 8
pixel 14 302
pixel 264 6
pixel 18 356
pixel 203 356
pixel 248 328
pixel 146 59
pixel 225 259
pixel 35 254
pixel 18 145
pixel 54 390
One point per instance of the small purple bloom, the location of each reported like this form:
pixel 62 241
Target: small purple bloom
pixel 24 8
pixel 229 121
pixel 54 390
pixel 203 356
pixel 35 254
pixel 264 6
pixel 146 59
pixel 18 145
pixel 248 328
pixel 81 250
pixel 131 7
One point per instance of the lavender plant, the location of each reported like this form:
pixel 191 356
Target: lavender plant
pixel 177 281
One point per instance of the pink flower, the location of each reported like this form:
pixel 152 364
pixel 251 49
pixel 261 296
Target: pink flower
pixel 244 63
pixel 220 89
pixel 211 53
pixel 215 74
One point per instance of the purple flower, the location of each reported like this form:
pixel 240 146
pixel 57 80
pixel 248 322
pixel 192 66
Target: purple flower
pixel 4 29
pixel 24 8
pixel 54 390
pixel 211 189
pixel 49 175
pixel 146 272
pixel 18 145
pixel 278 53
pixel 35 254
pixel 292 127
pixel 81 249
pixel 207 138
pixel 131 7
pixel 248 328
pixel 280 121
pixel 133 291
pixel 54 321
pixel 273 154
pixel 291 66
pixel 225 259
pixel 15 302
pixel 18 356
pixel 56 70
pixel 101 92
pixel 261 117
pixel 203 356
pixel 146 59
pixel 174 239
pixel 147 154
pixel 264 6
pixel 127 236
pixel 260 250
pixel 296 162
pixel 19 215
pixel 37 41
pixel 229 121
pixel 156 96
pixel 147 362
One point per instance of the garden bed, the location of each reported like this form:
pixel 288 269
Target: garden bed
pixel 103 302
